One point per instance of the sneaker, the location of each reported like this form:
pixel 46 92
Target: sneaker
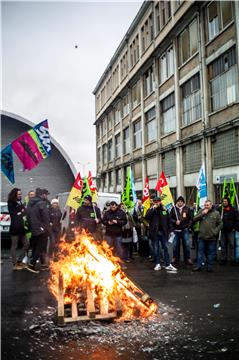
pixel 32 269
pixel 17 267
pixel 157 267
pixel 171 268
pixel 189 262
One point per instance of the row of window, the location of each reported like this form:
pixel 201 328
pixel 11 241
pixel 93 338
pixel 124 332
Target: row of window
pixel 218 15
pixel 223 86
pixel 222 155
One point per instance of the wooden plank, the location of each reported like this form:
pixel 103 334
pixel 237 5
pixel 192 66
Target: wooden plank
pixel 118 307
pixel 60 309
pixel 90 306
pixel 104 306
pixel 109 316
pixel 74 311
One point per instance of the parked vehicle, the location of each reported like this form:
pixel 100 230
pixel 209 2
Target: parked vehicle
pixel 5 222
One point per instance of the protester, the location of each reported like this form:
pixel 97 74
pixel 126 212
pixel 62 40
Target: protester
pixel 210 223
pixel 159 228
pixel 139 227
pixel 31 194
pixel 39 224
pixel 55 224
pixel 114 219
pixel 17 229
pixel 230 219
pixel 45 194
pixel 181 220
pixel 127 236
pixel 195 230
pixel 88 216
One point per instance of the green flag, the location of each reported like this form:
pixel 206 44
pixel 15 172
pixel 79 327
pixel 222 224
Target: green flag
pixel 232 192
pixel 225 190
pixel 85 190
pixel 127 196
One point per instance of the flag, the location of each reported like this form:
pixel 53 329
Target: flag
pixel 75 194
pixel 85 190
pixel 33 146
pixel 93 188
pixel 7 166
pixel 164 190
pixel 202 186
pixel 146 197
pixel 225 189
pixel 232 192
pixel 128 193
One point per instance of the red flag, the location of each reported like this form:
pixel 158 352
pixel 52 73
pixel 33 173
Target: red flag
pixel 146 198
pixel 165 193
pixel 162 182
pixel 91 183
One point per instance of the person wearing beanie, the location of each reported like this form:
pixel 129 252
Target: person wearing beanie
pixel 88 216
pixel 181 221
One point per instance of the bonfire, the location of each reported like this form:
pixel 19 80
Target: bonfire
pixel 89 277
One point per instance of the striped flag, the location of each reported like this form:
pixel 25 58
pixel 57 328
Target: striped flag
pixel 164 190
pixel 202 186
pixel 75 194
pixel 146 197
pixel 93 188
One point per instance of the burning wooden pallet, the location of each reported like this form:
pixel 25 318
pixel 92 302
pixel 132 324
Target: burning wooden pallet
pixel 86 310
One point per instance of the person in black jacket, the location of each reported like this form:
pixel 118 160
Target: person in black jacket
pixel 230 218
pixel 159 229
pixel 181 221
pixel 39 225
pixel 114 219
pixel 88 216
pixel 55 224
pixel 17 229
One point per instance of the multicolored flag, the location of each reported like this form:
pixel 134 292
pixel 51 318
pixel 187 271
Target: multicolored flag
pixel 33 146
pixel 164 190
pixel 233 192
pixel 93 188
pixel 7 166
pixel 225 189
pixel 74 197
pixel 202 186
pixel 127 196
pixel 85 190
pixel 146 197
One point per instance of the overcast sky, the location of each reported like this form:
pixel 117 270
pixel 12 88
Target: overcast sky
pixel 45 76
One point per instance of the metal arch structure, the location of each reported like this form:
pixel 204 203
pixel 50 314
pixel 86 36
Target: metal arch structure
pixel 54 142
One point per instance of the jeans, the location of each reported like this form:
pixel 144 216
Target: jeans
pixel 208 248
pixel 25 242
pixel 115 242
pixel 227 242
pixel 184 235
pixel 39 248
pixel 156 239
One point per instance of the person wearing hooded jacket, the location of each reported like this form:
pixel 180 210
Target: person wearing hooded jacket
pixel 88 216
pixel 39 225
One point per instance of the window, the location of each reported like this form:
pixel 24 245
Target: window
pixel 137 134
pixel 110 152
pixel 134 51
pixel 168 114
pixel 225 149
pixel 219 15
pixel 115 78
pixel 169 163
pixel 125 107
pixel 167 64
pixel 117 112
pixel 124 65
pixel 151 167
pixel 99 156
pixel 165 12
pixel 117 146
pixel 110 179
pixel 147 33
pixel 104 154
pixel 188 42
pixel 138 171
pixel 136 94
pixel 191 95
pixel 223 75
pixel 151 129
pixel 103 96
pixel 192 157
pixel 126 140
pixel 157 18
pixel 104 126
pixel 97 131
pixel 110 120
pixel 148 82
pixel 103 181
pixel 118 176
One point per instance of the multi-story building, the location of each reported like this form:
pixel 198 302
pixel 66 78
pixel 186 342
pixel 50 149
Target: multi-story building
pixel 169 99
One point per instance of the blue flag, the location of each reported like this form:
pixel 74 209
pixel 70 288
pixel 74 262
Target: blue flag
pixel 42 131
pixel 7 163
pixel 202 186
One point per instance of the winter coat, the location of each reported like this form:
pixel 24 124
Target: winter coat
pixel 185 218
pixel 85 217
pixel 230 219
pixel 210 224
pixel 159 220
pixel 127 230
pixel 55 219
pixel 114 229
pixel 38 216
pixel 16 211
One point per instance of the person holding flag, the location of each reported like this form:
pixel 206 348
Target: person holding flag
pixel 87 216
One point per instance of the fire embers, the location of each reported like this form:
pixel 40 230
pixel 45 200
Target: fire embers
pixel 88 283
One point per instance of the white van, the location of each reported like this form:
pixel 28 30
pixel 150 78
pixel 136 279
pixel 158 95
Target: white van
pixel 102 199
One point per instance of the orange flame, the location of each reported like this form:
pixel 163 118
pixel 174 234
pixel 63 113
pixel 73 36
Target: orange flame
pixel 86 263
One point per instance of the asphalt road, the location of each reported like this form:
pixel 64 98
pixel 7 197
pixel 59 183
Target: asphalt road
pixel 198 318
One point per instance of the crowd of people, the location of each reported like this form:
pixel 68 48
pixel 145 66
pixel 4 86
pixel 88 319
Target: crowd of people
pixel 37 222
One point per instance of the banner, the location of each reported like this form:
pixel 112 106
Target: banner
pixel 93 188
pixel 164 190
pixel 225 189
pixel 7 163
pixel 146 197
pixel 33 146
pixel 75 194
pixel 202 186
pixel 127 196
pixel 232 192
pixel 85 190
